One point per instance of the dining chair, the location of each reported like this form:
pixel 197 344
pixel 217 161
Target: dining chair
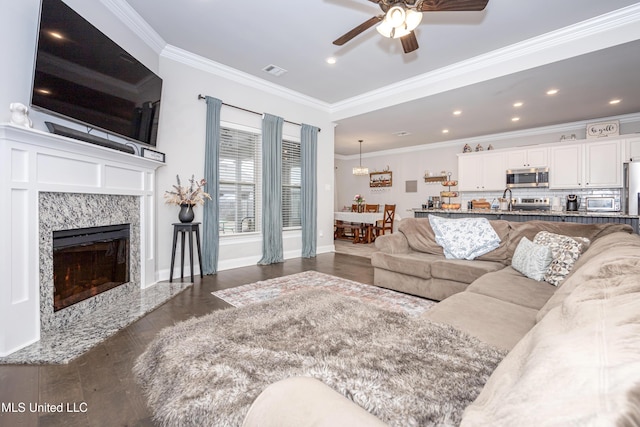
pixel 387 223
pixel 346 230
pixel 372 208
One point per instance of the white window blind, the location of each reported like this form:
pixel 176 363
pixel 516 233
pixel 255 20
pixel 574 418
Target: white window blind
pixel 240 182
pixel 291 184
pixel 240 190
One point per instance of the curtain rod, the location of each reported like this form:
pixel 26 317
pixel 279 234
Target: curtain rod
pixel 200 97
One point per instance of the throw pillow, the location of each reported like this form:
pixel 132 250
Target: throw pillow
pixel 464 238
pixel 565 251
pixel 531 259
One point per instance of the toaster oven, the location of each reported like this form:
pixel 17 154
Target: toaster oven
pixel 602 204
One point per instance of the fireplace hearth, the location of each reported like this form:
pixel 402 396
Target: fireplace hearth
pixel 89 261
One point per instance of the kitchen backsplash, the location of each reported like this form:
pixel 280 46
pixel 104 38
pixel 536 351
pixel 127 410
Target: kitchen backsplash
pixel 492 196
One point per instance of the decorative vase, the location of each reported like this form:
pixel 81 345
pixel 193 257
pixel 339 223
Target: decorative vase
pixel 360 207
pixel 186 213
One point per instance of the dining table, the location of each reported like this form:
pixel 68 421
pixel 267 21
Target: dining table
pixel 367 219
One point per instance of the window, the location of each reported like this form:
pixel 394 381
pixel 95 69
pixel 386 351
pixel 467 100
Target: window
pixel 240 182
pixel 239 169
pixel 291 184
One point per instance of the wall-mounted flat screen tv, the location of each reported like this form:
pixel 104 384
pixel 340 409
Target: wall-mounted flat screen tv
pixel 82 75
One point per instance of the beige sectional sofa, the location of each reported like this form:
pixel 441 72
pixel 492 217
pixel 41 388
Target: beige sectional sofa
pixel 574 349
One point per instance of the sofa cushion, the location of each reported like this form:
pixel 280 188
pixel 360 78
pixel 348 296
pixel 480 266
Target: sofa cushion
pixel 421 238
pixel 529 229
pixel 511 286
pixel 413 264
pixel 605 249
pixel 580 364
pixel 565 252
pixel 498 323
pixel 531 259
pixel 460 270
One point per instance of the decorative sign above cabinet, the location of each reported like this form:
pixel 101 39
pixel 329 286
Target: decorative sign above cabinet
pixel 598 130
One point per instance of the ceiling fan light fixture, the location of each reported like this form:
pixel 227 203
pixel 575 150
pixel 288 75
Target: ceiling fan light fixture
pixel 399 22
pixel 413 19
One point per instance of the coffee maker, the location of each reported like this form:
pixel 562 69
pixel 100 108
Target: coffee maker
pixel 572 203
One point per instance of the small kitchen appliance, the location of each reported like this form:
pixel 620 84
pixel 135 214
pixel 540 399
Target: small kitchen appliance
pixel 602 204
pixel 572 203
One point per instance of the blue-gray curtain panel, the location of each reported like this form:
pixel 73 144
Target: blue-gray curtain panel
pixel 272 251
pixel 211 231
pixel 308 160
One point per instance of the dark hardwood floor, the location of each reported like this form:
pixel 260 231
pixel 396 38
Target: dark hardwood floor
pixel 99 384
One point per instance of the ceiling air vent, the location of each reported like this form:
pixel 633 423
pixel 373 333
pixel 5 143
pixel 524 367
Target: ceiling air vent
pixel 274 70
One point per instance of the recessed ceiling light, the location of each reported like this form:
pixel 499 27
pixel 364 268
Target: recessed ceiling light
pixel 331 60
pixel 515 119
pixel 615 101
pixel 518 104
pixel 445 130
pixel 552 91
pixel 457 113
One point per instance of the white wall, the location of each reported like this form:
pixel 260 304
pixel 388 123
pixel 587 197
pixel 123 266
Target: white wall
pixel 182 119
pixel 182 134
pixel 411 164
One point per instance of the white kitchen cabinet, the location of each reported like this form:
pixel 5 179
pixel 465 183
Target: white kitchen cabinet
pixel 595 164
pixel 527 158
pixel 603 164
pixel 565 166
pixel 632 149
pixel 482 171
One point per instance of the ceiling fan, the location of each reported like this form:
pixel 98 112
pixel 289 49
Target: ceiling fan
pixel 401 17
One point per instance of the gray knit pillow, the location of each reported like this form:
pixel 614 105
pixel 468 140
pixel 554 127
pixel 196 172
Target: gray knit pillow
pixel 531 259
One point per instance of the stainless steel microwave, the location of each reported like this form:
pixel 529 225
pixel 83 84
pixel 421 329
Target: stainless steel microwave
pixel 528 178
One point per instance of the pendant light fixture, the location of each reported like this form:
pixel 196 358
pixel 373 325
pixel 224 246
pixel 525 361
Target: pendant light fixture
pixel 359 170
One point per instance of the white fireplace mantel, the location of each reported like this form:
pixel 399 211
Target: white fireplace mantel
pixel 31 162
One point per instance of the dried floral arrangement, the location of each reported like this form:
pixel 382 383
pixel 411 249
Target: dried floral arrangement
pixel 193 194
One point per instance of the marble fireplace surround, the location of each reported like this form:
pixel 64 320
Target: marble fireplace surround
pixel 51 182
pixel 65 211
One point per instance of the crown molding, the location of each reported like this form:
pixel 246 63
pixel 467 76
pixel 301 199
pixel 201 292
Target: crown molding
pixel 196 61
pixel 600 32
pixel 508 136
pixel 128 15
pixel 619 26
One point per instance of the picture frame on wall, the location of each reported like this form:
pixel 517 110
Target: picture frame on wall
pixel 381 179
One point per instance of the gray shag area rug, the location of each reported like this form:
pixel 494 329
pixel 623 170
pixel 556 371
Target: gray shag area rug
pixel 405 370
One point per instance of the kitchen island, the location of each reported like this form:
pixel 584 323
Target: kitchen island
pixel 531 215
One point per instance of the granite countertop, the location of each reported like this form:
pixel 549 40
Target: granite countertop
pixel 529 212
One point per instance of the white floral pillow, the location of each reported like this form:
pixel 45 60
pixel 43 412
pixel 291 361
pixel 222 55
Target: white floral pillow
pixel 464 238
pixel 531 259
pixel 565 251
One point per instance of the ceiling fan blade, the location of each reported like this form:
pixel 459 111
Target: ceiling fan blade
pixel 453 5
pixel 409 42
pixel 357 30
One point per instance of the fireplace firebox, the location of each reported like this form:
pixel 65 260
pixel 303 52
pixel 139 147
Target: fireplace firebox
pixel 89 261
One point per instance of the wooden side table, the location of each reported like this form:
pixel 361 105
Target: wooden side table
pixel 185 228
